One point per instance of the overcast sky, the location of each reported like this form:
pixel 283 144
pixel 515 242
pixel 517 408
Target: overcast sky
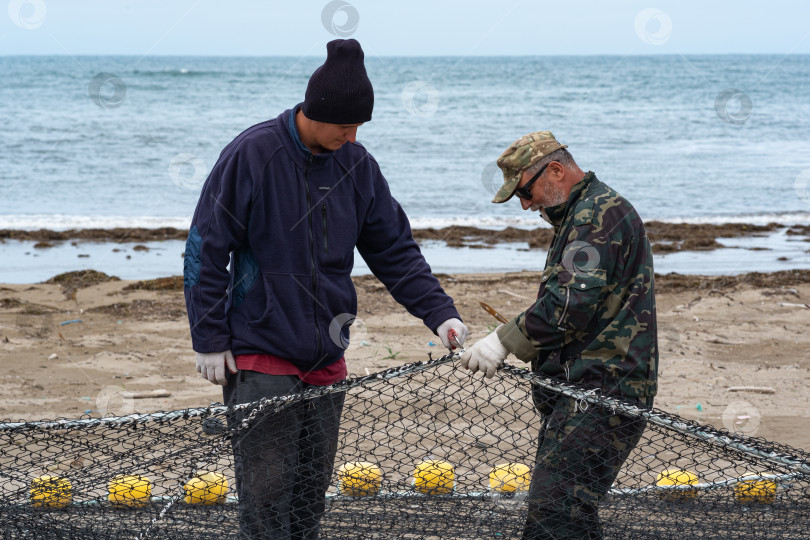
pixel 404 28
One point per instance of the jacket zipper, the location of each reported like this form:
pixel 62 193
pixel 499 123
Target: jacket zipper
pixel 565 308
pixel 325 236
pixel 313 268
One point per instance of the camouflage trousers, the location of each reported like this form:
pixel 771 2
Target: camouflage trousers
pixel 579 455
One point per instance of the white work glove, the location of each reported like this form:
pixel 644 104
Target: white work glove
pixel 486 355
pixel 459 333
pixel 212 366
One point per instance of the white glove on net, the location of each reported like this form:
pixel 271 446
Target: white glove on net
pixel 486 355
pixel 212 366
pixel 459 333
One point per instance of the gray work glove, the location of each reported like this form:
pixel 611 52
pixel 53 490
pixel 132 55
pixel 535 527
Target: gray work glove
pixel 486 355
pixel 212 366
pixel 452 332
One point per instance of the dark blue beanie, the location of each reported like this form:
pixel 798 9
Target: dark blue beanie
pixel 339 92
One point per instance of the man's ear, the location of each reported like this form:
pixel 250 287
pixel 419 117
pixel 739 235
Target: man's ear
pixel 556 171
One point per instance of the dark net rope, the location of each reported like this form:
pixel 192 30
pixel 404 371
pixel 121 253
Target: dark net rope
pixel 415 457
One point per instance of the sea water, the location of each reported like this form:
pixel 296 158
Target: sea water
pixel 128 142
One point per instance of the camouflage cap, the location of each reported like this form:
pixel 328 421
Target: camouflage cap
pixel 522 154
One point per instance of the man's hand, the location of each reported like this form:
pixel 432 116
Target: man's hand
pixel 212 366
pixel 452 332
pixel 486 355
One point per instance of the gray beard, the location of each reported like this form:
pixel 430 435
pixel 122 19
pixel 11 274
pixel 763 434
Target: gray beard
pixel 557 197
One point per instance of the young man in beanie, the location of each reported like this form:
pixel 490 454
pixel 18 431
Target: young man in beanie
pixel 593 323
pixel 286 205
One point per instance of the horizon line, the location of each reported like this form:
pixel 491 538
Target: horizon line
pixel 677 54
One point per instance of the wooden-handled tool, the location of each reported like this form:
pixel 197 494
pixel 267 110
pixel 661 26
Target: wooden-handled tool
pixel 489 309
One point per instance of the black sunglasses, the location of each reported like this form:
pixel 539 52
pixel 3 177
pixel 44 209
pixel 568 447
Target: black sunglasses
pixel 525 192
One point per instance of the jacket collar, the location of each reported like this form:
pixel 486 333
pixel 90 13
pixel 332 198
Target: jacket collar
pixel 300 148
pixel 294 131
pixel 557 213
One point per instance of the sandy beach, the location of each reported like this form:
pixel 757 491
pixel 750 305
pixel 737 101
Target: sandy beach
pixel 86 343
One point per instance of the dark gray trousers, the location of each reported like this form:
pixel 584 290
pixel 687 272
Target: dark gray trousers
pixel 283 461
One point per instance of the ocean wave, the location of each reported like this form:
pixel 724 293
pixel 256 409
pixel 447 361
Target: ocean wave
pixel 61 222
pixel 482 222
pixel 533 221
pixel 180 72
pixel 783 218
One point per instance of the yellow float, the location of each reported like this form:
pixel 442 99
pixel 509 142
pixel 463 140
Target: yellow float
pixel 130 490
pixel 206 488
pixel 510 477
pixel 359 479
pixel 755 491
pixel 434 477
pixel 677 477
pixel 51 492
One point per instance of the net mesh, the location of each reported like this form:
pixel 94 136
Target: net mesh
pixel 424 451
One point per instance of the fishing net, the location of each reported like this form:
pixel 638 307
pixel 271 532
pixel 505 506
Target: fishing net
pixel 424 451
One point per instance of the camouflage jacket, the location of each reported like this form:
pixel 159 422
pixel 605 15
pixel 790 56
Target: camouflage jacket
pixel 594 318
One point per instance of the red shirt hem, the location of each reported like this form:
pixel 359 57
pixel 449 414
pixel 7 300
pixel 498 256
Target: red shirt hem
pixel 274 365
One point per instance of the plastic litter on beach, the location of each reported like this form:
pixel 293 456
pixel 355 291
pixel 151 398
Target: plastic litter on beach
pixel 791 304
pixel 146 394
pixel 756 389
pixel 742 419
pixel 63 323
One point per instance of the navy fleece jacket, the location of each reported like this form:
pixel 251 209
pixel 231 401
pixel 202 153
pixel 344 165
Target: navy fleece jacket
pixel 288 221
